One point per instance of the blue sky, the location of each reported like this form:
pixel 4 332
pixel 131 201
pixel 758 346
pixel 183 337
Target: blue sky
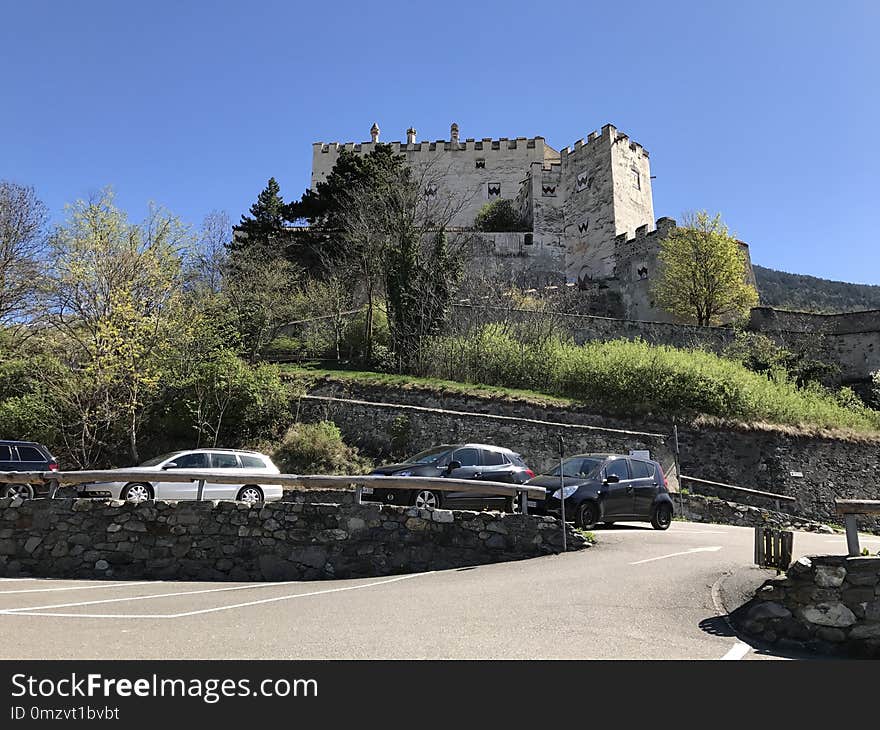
pixel 766 111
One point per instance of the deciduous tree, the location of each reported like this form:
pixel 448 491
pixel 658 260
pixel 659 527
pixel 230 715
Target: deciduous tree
pixel 22 247
pixel 114 294
pixel 703 273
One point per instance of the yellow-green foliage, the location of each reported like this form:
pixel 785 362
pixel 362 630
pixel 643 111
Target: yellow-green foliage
pixel 317 448
pixel 703 273
pixel 637 378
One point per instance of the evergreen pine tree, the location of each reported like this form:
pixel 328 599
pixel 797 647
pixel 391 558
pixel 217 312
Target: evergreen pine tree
pixel 266 218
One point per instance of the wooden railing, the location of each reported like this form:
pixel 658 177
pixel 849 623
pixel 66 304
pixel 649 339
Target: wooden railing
pixel 777 498
pixel 57 479
pixel 849 508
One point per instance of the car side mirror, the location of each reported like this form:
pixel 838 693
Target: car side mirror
pixel 611 478
pixel 170 465
pixel 453 465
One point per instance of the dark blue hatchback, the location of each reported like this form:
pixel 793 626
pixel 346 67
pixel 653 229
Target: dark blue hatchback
pixel 608 488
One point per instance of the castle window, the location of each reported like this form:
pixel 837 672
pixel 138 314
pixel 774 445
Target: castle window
pixel 481 163
pixel 493 190
pixel 637 179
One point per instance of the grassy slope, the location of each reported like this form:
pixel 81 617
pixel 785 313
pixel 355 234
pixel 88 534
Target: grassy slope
pixel 309 375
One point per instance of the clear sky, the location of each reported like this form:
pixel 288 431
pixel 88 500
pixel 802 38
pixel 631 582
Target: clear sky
pixel 766 111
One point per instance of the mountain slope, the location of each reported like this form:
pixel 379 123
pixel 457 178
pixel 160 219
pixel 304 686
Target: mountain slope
pixel 812 294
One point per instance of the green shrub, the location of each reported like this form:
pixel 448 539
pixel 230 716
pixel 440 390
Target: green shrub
pixel 624 377
pixel 285 346
pixel 499 216
pixel 317 448
pixel 221 401
pixel 353 341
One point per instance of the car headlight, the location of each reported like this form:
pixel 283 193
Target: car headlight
pixel 565 492
pixel 403 474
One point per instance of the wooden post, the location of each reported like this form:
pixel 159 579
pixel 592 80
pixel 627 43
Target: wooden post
pixel 852 535
pixel 524 502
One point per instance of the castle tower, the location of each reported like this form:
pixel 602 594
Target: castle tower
pixel 606 186
pixel 374 133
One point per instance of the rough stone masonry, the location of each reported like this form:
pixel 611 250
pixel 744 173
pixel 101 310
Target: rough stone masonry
pixel 215 540
pixel 829 604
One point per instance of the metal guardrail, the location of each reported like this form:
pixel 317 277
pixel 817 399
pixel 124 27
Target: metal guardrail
pixel 849 508
pixel 57 479
pixel 744 490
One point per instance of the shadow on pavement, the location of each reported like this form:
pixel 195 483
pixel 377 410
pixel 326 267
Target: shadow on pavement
pixel 717 626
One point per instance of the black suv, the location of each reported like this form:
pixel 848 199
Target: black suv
pixel 25 456
pixel 459 461
pixel 608 488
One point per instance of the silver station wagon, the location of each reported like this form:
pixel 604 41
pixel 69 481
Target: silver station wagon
pixel 229 461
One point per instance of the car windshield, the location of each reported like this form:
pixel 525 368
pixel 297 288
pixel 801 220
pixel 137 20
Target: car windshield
pixel 158 459
pixel 428 456
pixel 577 466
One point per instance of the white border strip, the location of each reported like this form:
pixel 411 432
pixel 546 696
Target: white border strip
pixel 94 587
pixel 737 651
pixel 39 610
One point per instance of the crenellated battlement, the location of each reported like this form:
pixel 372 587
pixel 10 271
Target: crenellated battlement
pixel 662 228
pixel 607 132
pixel 487 144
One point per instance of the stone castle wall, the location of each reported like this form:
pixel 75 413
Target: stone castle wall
pixel 470 173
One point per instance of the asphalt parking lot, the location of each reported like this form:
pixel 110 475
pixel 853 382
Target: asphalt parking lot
pixel 639 593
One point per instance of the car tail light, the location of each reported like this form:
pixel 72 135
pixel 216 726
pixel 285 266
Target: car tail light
pixel 53 466
pixel 530 473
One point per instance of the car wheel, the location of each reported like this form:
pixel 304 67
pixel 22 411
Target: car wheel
pixel 427 499
pixel 587 515
pixel 137 493
pixel 662 517
pixel 24 491
pixel 250 495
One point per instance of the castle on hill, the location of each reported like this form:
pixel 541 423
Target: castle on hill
pixel 588 208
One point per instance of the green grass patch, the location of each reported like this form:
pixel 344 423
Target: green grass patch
pixel 623 378
pixel 310 373
pixel 589 536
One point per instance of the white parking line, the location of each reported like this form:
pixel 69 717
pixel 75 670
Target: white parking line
pixel 711 549
pixel 738 651
pixel 95 587
pixel 38 610
pixel 704 532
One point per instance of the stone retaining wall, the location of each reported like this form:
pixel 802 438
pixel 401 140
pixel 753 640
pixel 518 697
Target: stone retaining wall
pixel 319 496
pixel 697 508
pixel 828 603
pixel 374 425
pixel 815 470
pixel 85 538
